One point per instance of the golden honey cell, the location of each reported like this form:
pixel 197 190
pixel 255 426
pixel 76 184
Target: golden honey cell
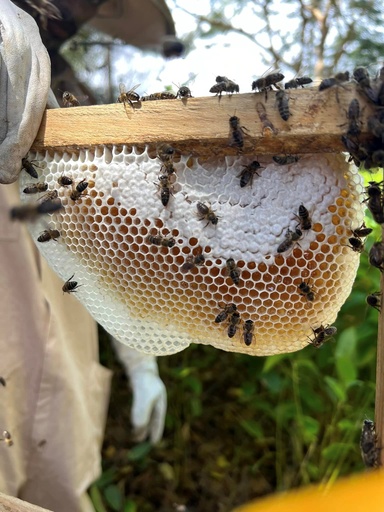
pixel 141 293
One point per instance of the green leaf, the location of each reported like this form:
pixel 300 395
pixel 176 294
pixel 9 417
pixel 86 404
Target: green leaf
pixel 345 355
pixel 272 361
pixel 337 391
pixel 113 497
pixel 194 384
pixel 96 498
pixel 311 428
pixel 130 506
pixel 139 451
pixel 335 451
pixel 106 478
pixel 252 428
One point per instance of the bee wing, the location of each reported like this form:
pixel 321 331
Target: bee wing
pixel 122 88
pixel 134 88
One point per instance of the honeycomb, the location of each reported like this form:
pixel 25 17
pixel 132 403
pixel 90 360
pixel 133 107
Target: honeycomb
pixel 152 298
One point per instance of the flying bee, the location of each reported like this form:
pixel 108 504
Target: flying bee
pixel 29 212
pixel 78 192
pixel 7 438
pixel 370 452
pixel 191 262
pixel 27 166
pixel 230 85
pixel 338 79
pixel 248 329
pixel 70 100
pixel 266 123
pixel 64 181
pixel 322 334
pixel 161 240
pixel 49 234
pixel 233 325
pixel 298 82
pixel 374 300
pixel 128 96
pixel 267 82
pixel 70 286
pixel 305 221
pixel 165 187
pixel 233 271
pixel 228 309
pixel 35 188
pixel 237 132
pixel 306 291
pixel 376 256
pixel 205 212
pixel 285 159
pixel 362 231
pixel 247 174
pixel 165 95
pixel 290 238
pixel 356 244
pixel 282 100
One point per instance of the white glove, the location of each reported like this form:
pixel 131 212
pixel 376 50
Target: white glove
pixel 25 77
pixel 149 393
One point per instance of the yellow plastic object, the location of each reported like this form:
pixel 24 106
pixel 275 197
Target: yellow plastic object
pixel 363 493
pixel 153 297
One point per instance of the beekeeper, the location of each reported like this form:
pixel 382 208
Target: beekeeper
pixel 53 391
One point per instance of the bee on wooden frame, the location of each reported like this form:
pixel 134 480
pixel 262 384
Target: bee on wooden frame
pixel 298 82
pixel 237 132
pixel 165 95
pixel 230 85
pixel 282 100
pixel 266 83
pixel 128 96
pixel 70 100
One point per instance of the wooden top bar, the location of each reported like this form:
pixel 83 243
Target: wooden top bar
pixel 200 126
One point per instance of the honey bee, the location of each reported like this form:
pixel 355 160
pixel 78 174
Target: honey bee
pixel 237 132
pixel 49 234
pixel 370 452
pixel 65 181
pixel 191 262
pixel 233 325
pixel 267 82
pixel 230 86
pixel 374 300
pixel 27 166
pixel 183 92
pixel 376 127
pixel 361 76
pixel 375 201
pixel 247 174
pixel 165 187
pixel 128 96
pixel 358 153
pixel 51 195
pixel 78 192
pixel 362 231
pixel 204 212
pixel 218 88
pixel 338 79
pixel 248 329
pixel 298 82
pixel 227 310
pixel 306 291
pixel 165 152
pixel 322 334
pixel 266 123
pixel 7 438
pixel 233 271
pixel 3 381
pixel 356 244
pixel 305 221
pixel 353 116
pixel 36 188
pixel 70 286
pixel 290 238
pixel 285 159
pixel 161 240
pixel 165 95
pixel 70 100
pixel 29 212
pixel 376 256
pixel 282 100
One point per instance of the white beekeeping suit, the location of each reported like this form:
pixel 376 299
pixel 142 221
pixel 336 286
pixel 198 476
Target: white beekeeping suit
pixel 54 393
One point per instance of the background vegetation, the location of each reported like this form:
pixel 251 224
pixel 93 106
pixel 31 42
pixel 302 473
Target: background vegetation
pixel 239 427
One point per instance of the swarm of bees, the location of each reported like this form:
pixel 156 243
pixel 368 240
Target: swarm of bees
pixel 230 314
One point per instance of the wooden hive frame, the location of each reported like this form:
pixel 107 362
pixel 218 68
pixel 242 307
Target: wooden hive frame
pixel 200 127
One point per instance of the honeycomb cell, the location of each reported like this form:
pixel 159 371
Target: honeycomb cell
pixel 139 292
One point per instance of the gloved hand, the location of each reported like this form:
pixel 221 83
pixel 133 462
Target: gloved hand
pixel 25 77
pixel 149 393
